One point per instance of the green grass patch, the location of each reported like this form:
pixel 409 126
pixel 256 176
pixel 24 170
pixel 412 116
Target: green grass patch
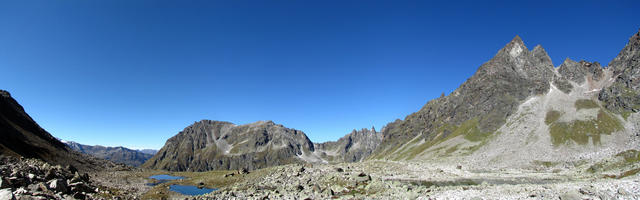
pixel 621 160
pixel 630 156
pixel 468 129
pixel 580 131
pixel 552 116
pixel 585 104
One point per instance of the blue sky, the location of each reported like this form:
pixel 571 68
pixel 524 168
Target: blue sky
pixel 134 73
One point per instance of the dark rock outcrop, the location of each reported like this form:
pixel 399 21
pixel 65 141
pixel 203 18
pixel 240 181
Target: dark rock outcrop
pixel 623 96
pixel 578 71
pixel 215 145
pixel 116 154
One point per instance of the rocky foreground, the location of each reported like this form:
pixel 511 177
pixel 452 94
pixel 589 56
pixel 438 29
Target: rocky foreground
pixel 35 179
pixel 416 180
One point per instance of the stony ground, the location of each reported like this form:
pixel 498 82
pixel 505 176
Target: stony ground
pixel 405 180
pixel 33 179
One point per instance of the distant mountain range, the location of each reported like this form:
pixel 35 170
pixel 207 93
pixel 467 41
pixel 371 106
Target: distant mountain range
pixel 517 110
pixel 116 154
pixel 210 145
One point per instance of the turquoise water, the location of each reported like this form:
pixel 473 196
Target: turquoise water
pixel 190 189
pixel 163 178
pixel 166 177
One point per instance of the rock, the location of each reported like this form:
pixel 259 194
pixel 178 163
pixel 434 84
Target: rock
pixel 42 187
pixel 6 194
pixel 315 188
pixel 79 178
pixel 570 195
pixel 50 174
pixel 624 192
pixel 17 182
pixel 79 195
pixel 585 191
pixel 58 185
pixel 81 187
pixel 20 191
pixel 362 177
pixel 71 168
pixel 3 183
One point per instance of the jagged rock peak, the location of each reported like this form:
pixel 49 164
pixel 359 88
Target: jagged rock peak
pixel 515 48
pixel 577 71
pixel 542 57
pixel 628 56
pixel 568 62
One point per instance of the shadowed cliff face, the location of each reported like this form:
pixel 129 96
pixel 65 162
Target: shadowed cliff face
pixel 22 136
pixel 623 96
pixel 216 145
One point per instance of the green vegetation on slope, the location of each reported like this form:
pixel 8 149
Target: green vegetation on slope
pixel 585 104
pixel 626 159
pixel 552 116
pixel 580 131
pixel 468 129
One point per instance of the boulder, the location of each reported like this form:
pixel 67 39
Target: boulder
pixel 3 183
pixel 81 187
pixel 6 194
pixel 79 178
pixel 58 185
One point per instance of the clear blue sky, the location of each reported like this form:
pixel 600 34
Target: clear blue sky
pixel 134 73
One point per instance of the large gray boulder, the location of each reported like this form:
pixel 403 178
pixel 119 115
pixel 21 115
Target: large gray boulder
pixel 6 194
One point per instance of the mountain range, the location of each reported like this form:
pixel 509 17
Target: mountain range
pixel 116 154
pixel 516 110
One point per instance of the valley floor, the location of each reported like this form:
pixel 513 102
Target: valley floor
pixel 388 180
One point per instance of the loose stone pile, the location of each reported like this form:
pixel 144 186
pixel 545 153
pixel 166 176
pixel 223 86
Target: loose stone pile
pixel 35 179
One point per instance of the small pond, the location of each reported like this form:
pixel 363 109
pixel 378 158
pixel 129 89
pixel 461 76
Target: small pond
pixel 163 178
pixel 190 189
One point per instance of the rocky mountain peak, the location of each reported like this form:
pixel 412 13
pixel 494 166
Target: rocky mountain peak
pixel 577 71
pixel 515 48
pixel 251 146
pixel 627 62
pixel 355 146
pixel 542 57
